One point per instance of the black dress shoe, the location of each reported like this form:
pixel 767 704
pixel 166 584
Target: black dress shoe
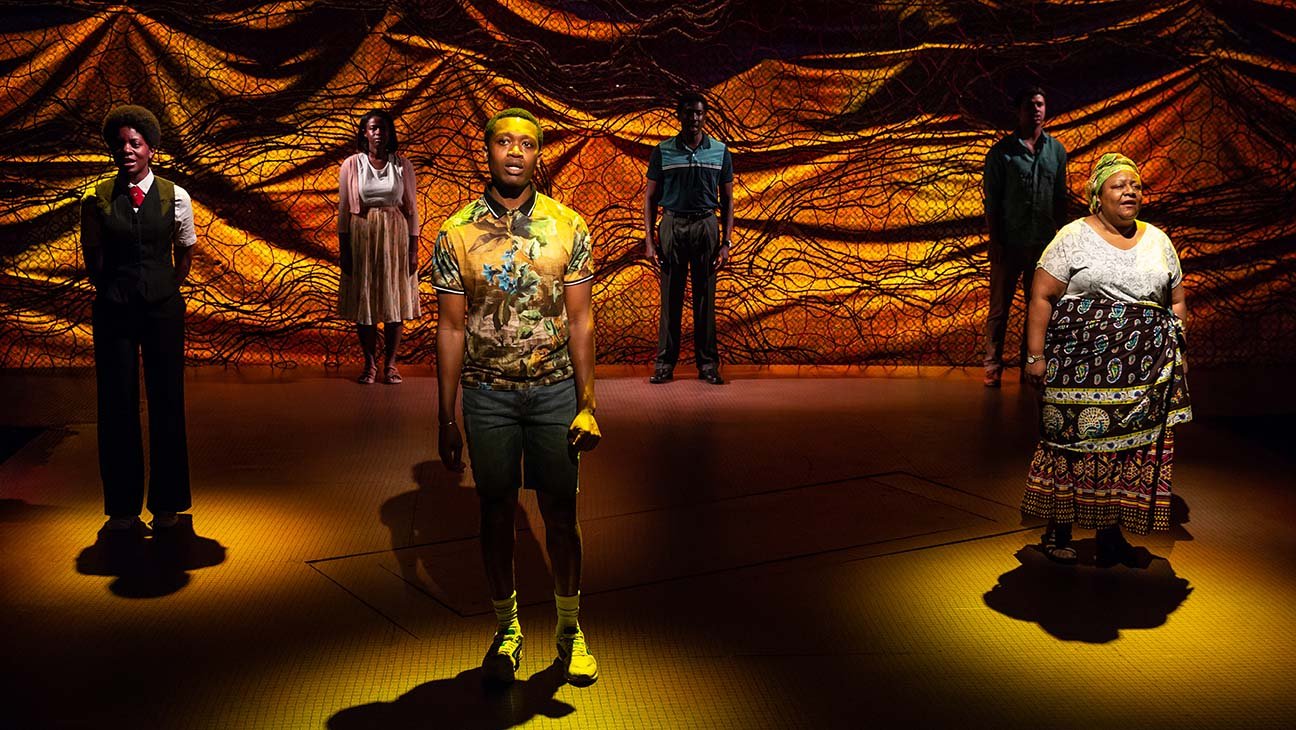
pixel 712 377
pixel 662 375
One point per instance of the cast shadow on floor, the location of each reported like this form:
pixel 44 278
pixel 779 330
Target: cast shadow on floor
pixel 462 701
pixel 440 513
pixel 440 508
pixel 153 566
pixel 1084 602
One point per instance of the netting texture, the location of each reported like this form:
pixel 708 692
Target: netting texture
pixel 858 132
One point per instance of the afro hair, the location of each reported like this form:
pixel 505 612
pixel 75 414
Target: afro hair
pixel 129 115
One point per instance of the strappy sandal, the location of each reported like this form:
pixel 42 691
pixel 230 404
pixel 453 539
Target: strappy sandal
pixel 1058 552
pixel 392 376
pixel 368 376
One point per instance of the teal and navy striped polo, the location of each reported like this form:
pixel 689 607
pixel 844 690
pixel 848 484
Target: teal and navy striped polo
pixel 690 178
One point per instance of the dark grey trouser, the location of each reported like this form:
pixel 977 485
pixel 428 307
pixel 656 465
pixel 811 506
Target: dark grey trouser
pixel 1007 266
pixel 123 335
pixel 688 248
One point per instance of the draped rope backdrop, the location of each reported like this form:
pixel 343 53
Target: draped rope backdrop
pixel 858 132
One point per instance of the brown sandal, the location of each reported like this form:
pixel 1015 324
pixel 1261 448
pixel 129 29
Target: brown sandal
pixel 368 376
pixel 392 376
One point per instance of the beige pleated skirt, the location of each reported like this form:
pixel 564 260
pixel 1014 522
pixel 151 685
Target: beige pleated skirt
pixel 382 287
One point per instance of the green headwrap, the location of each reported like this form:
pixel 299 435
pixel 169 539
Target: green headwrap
pixel 1108 165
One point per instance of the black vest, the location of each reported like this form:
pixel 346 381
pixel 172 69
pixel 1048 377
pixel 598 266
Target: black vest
pixel 137 245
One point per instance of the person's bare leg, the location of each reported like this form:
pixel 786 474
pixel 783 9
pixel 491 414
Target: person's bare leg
pixel 497 537
pixel 563 541
pixel 392 332
pixel 369 347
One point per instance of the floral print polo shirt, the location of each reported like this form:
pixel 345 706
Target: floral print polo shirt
pixel 512 266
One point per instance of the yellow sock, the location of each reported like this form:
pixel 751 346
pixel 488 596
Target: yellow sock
pixel 506 612
pixel 568 609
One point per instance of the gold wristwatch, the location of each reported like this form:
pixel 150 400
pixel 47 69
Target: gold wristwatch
pixel 1032 359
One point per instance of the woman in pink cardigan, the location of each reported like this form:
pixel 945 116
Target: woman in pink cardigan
pixel 378 224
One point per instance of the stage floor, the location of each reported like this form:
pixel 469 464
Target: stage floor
pixel 777 552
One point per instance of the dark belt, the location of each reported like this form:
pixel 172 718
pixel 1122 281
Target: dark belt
pixel 693 216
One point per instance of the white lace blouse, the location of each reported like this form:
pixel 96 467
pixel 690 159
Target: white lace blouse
pixel 1090 266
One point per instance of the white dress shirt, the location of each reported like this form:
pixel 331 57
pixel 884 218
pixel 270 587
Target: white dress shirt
pixel 184 232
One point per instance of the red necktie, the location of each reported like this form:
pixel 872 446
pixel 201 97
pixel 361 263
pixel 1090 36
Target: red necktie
pixel 137 196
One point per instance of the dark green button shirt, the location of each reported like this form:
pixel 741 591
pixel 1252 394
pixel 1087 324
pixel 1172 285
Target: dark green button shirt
pixel 1025 193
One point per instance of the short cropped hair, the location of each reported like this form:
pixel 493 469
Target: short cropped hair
pixel 130 115
pixel 514 113
pixel 688 99
pixel 389 132
pixel 1027 93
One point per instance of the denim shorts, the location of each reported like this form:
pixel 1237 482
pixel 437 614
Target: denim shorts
pixel 512 431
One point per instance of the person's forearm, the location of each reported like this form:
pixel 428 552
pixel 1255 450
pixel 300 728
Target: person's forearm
pixel 581 347
pixel 649 217
pixel 726 217
pixel 1060 193
pixel 183 261
pixel 345 260
pixel 91 236
pixel 1041 310
pixel 93 256
pixel 450 357
pixel 994 229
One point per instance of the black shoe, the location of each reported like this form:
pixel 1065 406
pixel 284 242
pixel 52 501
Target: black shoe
pixel 711 376
pixel 1113 549
pixel 662 375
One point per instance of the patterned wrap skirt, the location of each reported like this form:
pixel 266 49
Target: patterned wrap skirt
pixel 1113 389
pixel 382 286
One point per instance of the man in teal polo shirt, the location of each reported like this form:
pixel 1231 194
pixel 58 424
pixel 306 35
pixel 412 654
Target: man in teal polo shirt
pixel 690 176
pixel 1025 205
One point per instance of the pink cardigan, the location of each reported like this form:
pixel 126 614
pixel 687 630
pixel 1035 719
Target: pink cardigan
pixel 349 193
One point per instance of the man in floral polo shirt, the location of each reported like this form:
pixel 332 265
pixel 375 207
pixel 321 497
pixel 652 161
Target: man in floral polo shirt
pixel 513 272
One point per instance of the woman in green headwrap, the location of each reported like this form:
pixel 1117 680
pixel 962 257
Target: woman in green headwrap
pixel 1105 342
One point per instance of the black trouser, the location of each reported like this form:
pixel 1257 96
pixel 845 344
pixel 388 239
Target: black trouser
pixel 122 334
pixel 688 245
pixel 1007 266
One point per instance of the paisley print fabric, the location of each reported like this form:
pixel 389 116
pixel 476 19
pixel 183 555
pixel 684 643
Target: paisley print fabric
pixel 1113 375
pixel 1114 387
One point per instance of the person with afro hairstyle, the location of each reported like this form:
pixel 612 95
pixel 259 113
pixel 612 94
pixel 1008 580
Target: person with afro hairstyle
pixel 137 237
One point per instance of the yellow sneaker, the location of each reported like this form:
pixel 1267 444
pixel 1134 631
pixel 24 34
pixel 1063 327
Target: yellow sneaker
pixel 579 666
pixel 504 656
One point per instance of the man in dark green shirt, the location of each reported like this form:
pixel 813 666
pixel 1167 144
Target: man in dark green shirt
pixel 1025 205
